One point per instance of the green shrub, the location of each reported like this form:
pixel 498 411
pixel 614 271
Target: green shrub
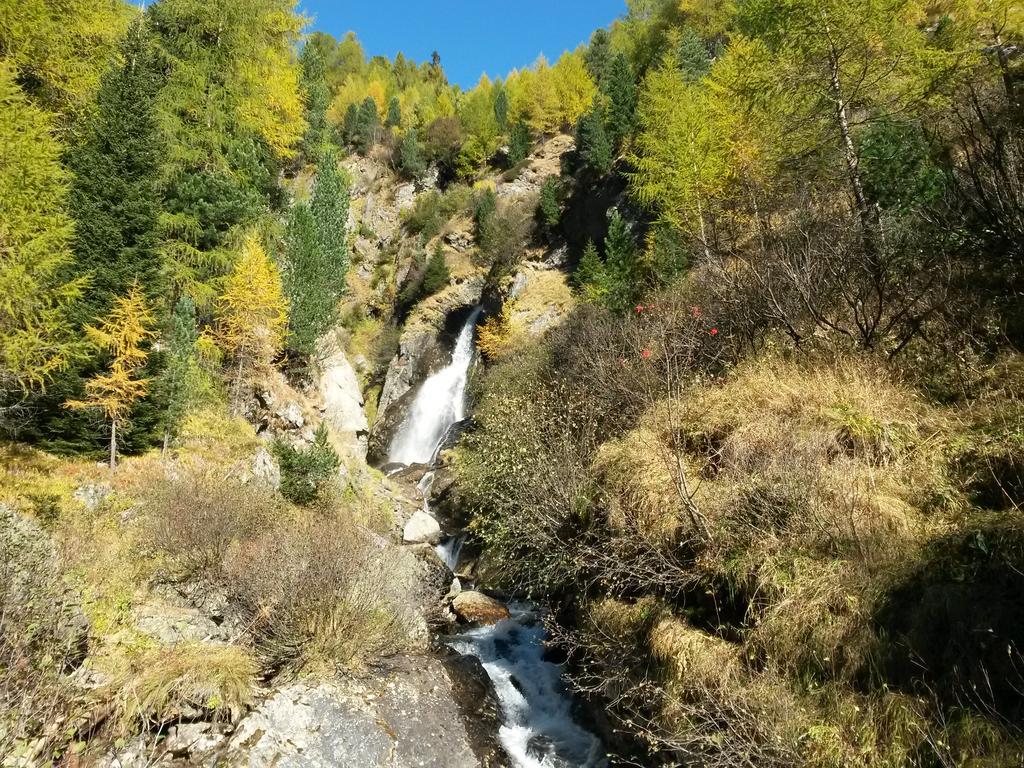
pixel 305 474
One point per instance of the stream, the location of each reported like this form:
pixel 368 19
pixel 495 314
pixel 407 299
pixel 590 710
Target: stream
pixel 538 728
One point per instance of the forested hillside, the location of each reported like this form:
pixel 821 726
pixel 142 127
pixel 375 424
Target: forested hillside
pixel 746 413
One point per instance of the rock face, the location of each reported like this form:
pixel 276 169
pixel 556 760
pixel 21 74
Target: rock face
pixel 422 529
pixel 342 397
pixel 405 718
pixel 478 608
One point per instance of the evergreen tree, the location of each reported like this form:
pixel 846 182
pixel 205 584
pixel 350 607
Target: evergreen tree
pixel 620 264
pixel 114 196
pixel 620 89
pixel 549 205
pixel 693 56
pixel 436 275
pixel 590 276
pixel 485 206
pixel 316 98
pixel 394 113
pixel 519 143
pixel 330 213
pixel 367 125
pixel 177 382
pixel 410 157
pixel 316 261
pixel 124 335
pixel 599 55
pixel 305 473
pixel 501 108
pixel 594 147
pixel 350 127
pixel 35 336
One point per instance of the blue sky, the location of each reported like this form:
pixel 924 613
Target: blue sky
pixel 472 36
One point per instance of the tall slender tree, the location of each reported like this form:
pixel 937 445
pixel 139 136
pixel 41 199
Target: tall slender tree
pixel 178 381
pixel 114 196
pixel 619 86
pixel 316 97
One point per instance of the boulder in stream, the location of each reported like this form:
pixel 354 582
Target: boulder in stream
pixel 422 529
pixel 478 608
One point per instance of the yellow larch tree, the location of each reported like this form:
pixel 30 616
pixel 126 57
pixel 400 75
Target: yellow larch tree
pixel 125 335
pixel 253 315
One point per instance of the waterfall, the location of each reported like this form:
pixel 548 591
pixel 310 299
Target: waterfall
pixel 440 403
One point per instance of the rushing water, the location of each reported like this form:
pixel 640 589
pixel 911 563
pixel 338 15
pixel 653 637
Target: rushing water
pixel 440 403
pixel 538 728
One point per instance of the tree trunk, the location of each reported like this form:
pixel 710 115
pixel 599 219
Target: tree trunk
pixel 864 208
pixel 113 444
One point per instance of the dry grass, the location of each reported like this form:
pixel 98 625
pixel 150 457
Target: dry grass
pixel 165 684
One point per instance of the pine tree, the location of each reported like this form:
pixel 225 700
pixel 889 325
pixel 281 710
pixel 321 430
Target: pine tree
pixel 410 157
pixel 316 99
pixel 252 315
pixel 620 89
pixel 114 197
pixel 304 474
pixel 329 206
pixel 519 143
pixel 177 382
pixel 394 113
pixel 316 260
pixel 620 264
pixel 436 275
pixel 599 55
pixel 549 205
pixel 590 276
pixel 367 126
pixel 501 108
pixel 594 147
pixel 124 335
pixel 350 127
pixel 35 336
pixel 693 56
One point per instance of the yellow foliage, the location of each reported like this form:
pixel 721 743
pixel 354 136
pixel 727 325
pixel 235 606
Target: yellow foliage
pixel 575 87
pixel 123 335
pixel 253 312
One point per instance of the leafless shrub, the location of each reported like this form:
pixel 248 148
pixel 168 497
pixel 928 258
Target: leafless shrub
pixel 197 517
pixel 325 592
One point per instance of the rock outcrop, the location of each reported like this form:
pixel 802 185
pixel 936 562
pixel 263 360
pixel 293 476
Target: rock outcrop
pixel 341 397
pixel 406 717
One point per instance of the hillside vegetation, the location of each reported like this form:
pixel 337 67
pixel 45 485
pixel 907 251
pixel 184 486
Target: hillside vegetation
pixel 747 414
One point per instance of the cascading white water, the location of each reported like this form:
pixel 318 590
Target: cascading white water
pixel 538 729
pixel 440 403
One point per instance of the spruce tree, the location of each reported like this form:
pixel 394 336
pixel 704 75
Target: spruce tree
pixel 316 260
pixel 594 147
pixel 350 127
pixel 598 55
pixel 177 382
pixel 410 157
pixel 316 99
pixel 436 275
pixel 590 277
pixel 114 198
pixel 549 205
pixel 329 207
pixel 367 125
pixel 519 143
pixel 620 88
pixel 620 264
pixel 394 113
pixel 693 56
pixel 501 108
